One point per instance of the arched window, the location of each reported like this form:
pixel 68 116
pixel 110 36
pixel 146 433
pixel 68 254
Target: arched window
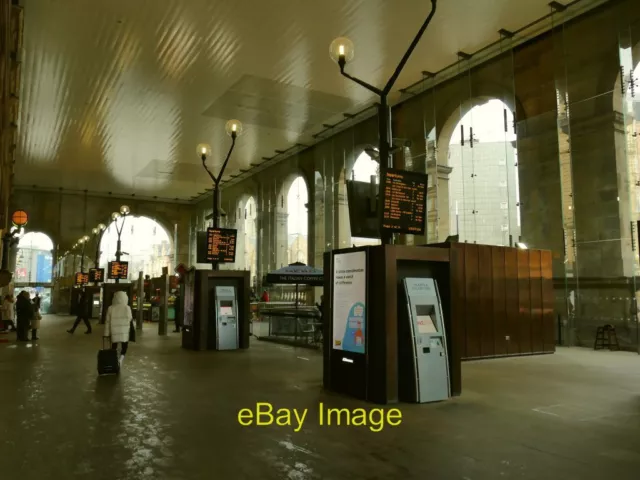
pixel 34 262
pixel 147 244
pixel 364 168
pixel 251 238
pixel 297 221
pixel 483 186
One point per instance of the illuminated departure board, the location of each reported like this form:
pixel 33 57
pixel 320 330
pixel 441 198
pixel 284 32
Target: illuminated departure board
pixel 221 245
pixel 82 278
pixel 118 270
pixel 96 275
pixel 405 201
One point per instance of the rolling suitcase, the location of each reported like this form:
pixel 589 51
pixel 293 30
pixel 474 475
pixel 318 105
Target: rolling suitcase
pixel 108 363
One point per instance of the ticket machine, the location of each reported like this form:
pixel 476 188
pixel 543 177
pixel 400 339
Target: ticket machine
pixel 424 366
pixel 226 317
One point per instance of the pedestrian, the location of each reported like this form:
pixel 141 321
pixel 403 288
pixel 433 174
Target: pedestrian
pixel 8 314
pixel 265 296
pixel 118 323
pixel 37 317
pixel 24 315
pixel 84 312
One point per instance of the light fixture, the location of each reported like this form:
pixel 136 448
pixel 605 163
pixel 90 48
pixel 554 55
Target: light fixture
pixel 521 246
pixel 341 50
pixel 86 238
pixel 204 150
pixel 233 128
pixel 102 226
pixel 95 230
pixel 125 210
pixel 115 216
pixel 81 241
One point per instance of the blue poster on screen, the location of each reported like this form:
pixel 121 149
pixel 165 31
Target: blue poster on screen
pixel 349 302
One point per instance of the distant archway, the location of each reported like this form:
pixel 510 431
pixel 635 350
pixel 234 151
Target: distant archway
pixel 297 221
pixel 483 184
pixel 147 244
pixel 34 262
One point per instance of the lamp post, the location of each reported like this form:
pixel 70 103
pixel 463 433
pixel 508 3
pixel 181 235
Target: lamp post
pixel 234 129
pixel 97 235
pixel 83 241
pixel 342 52
pixel 124 211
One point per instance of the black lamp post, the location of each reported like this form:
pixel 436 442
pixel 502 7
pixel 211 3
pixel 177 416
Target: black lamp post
pixel 342 52
pixel 234 129
pixel 83 241
pixel 97 235
pixel 124 211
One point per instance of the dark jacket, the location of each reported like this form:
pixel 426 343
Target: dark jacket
pixel 24 310
pixel 84 305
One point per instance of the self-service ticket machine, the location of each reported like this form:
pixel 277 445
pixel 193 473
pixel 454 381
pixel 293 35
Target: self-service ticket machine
pixel 424 366
pixel 227 332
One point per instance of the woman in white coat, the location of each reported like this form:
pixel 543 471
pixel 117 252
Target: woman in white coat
pixel 118 322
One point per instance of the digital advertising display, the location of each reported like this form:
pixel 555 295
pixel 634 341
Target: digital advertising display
pixel 349 301
pixel 81 278
pixel 405 201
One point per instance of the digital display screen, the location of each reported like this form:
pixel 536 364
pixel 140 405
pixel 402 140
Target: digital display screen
pixel 81 278
pixel 118 270
pixel 221 245
pixel 96 275
pixel 405 201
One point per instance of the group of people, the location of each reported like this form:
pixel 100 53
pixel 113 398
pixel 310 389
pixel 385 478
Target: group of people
pixel 21 315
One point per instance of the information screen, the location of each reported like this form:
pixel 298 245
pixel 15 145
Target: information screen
pixel 221 245
pixel 96 275
pixel 118 270
pixel 81 278
pixel 405 201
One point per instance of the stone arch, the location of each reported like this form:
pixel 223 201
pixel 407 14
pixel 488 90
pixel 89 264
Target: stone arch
pixel 34 259
pixel 150 258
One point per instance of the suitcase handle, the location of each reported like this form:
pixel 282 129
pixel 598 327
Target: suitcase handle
pixel 103 340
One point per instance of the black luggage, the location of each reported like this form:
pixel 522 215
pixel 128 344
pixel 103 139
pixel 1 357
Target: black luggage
pixel 108 363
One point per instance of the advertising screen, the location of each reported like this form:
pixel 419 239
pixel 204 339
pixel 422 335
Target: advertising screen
pixel 349 301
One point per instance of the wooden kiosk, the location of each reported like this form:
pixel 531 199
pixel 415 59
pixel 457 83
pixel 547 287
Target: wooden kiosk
pixel 198 308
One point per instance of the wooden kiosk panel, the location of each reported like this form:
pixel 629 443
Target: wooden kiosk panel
pixel 502 300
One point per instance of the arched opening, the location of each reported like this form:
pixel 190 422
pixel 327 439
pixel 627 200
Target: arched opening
pixel 483 184
pixel 250 234
pixel 34 267
pixel 297 221
pixel 365 169
pixel 147 244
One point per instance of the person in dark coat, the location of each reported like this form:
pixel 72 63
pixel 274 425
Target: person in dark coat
pixel 24 313
pixel 84 312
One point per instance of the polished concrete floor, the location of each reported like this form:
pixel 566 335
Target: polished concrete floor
pixel 172 414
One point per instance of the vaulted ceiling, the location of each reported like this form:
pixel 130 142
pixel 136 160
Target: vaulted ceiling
pixel 116 94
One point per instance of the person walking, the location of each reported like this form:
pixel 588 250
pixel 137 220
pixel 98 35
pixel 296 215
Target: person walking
pixel 118 323
pixel 24 315
pixel 8 315
pixel 84 312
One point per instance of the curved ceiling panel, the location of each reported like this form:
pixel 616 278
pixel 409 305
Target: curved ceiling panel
pixel 115 95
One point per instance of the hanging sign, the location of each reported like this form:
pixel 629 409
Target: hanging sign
pixel 19 218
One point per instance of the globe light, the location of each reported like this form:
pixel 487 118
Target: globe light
pixel 233 127
pixel 115 216
pixel 341 49
pixel 81 241
pixel 102 226
pixel 204 150
pixel 95 230
pixel 124 210
pixel 86 238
